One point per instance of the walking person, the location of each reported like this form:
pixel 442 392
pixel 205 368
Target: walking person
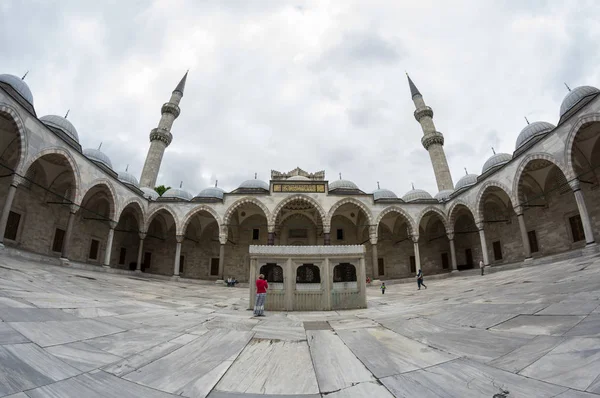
pixel 382 287
pixel 481 265
pixel 261 295
pixel 420 279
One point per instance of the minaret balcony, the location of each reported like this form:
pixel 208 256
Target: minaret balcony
pixel 163 135
pixel 420 113
pixel 171 108
pixel 432 138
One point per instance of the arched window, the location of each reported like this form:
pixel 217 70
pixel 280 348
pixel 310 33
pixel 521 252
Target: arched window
pixel 344 272
pixel 308 273
pixel 273 273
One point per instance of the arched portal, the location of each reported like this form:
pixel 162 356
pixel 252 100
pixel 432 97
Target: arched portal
pixel 395 249
pixel 466 237
pixel 160 243
pixel 200 247
pixel 299 222
pixel 434 245
pixel 127 237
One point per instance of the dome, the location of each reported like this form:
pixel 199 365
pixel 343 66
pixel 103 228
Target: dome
pixel 443 195
pixel 177 193
pixel 128 178
pixel 254 184
pixel 383 194
pixel 98 156
pixel 342 184
pixel 497 159
pixel 574 96
pixel 149 193
pixel 533 130
pixel 416 194
pixel 211 193
pixel 61 123
pixel 298 178
pixel 19 86
pixel 466 181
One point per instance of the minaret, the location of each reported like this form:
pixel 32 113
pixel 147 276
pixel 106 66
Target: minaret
pixel 432 140
pixel 161 137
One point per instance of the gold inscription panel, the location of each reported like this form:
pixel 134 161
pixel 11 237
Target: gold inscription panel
pixel 309 188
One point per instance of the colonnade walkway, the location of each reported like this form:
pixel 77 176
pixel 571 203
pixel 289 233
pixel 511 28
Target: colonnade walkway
pixel 527 332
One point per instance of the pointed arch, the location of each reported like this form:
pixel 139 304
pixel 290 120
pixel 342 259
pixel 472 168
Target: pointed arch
pixel 23 144
pixel 452 212
pixel 402 212
pixel 298 197
pixel 481 194
pixel 241 202
pixel 136 202
pixel 188 217
pixel 436 210
pixel 157 210
pixel 521 168
pixel 353 201
pixel 568 151
pixel 111 189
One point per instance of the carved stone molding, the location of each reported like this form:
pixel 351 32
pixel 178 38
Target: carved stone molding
pixel 308 250
pixel 433 138
pixel 163 135
pixel 420 113
pixel 170 108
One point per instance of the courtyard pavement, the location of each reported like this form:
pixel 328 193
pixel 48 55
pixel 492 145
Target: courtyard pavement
pixel 529 332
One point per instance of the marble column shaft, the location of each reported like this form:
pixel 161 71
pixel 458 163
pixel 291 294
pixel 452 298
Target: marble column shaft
pixel 452 252
pixel 375 259
pixel 109 243
pixel 524 235
pixel 271 238
pixel 484 251
pixel 10 196
pixel 177 255
pixel 221 260
pixel 67 240
pixel 583 213
pixel 138 266
pixel 417 255
pixel 327 238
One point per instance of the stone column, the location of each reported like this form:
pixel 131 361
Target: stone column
pixel 375 257
pixel 289 285
pixel 67 242
pixel 138 266
pixel 327 235
pixel 327 282
pixel 524 236
pixel 252 283
pixel 362 281
pixel 486 260
pixel 10 196
pixel 583 213
pixel 177 254
pixel 452 251
pixel 271 239
pixel 109 242
pixel 415 239
pixel 223 241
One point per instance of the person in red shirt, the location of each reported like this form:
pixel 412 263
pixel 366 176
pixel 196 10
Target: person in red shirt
pixel 261 295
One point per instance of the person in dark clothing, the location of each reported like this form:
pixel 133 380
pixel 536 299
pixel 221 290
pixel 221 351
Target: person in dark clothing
pixel 382 287
pixel 420 279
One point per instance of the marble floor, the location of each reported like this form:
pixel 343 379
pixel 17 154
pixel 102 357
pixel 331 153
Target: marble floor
pixel 70 333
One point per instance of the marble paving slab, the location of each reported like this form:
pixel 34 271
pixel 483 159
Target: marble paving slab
pixel 6 302
pixel 570 308
pixel 97 384
pixel 524 356
pixel 93 312
pixel 82 356
pixel 576 394
pixel 224 394
pixel 8 335
pixel 480 320
pixel 540 324
pixel 279 330
pixel 199 364
pixel 335 365
pixel 132 341
pixel 574 363
pixel 136 361
pixel 590 326
pixel 184 339
pixel 387 353
pixel 353 323
pixel 120 323
pixel 264 367
pixel 25 366
pixel 521 309
pixel 363 390
pixel 242 324
pixel 34 315
pixel 595 386
pixel 466 379
pixel 58 332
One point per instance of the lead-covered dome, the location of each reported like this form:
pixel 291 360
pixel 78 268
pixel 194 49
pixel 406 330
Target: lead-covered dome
pixel 128 178
pixel 531 131
pixel 466 181
pixel 496 160
pixel 149 193
pixel 342 184
pixel 298 178
pixel 254 184
pixel 416 194
pixel 382 193
pixel 18 85
pixel 576 95
pixel 97 156
pixel 177 193
pixel 62 124
pixel 443 195
pixel 211 193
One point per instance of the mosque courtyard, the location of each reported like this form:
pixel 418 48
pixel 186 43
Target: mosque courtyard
pixel 527 332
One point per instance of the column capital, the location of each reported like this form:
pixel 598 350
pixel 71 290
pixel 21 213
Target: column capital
pixel 326 228
pixel 142 235
pixel 179 238
pixel 373 239
pixel 450 234
pixel 223 239
pixel 480 225
pixel 73 209
pixel 112 224
pixel 575 185
pixel 271 228
pixel 17 180
pixel 519 210
pixel 415 238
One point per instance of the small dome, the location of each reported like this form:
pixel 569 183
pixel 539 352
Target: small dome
pixel 574 96
pixel 533 130
pixel 211 193
pixel 61 123
pixel 254 184
pixel 128 178
pixel 177 193
pixel 466 181
pixel 19 86
pixel 443 195
pixel 98 156
pixel 298 178
pixel 416 194
pixel 383 194
pixel 342 184
pixel 149 193
pixel 496 160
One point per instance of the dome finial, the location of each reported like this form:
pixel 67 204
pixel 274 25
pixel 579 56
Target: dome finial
pixel 340 175
pixel 413 89
pixel 466 172
pixel 181 86
pixel 527 120
pixel 378 187
pixel 255 176
pixel 181 184
pixel 100 146
pixel 67 114
pixel 216 183
pixel 126 168
pixel 493 150
pixel 413 185
pixel 25 75
pixel 567 86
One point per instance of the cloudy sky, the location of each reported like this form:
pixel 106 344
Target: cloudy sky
pixel 315 84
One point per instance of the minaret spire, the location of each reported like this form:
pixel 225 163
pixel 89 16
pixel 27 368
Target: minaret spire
pixel 161 137
pixel 433 140
pixel 25 75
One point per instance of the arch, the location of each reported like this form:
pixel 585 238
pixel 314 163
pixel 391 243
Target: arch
pixel 69 157
pixel 23 145
pixel 568 151
pixel 140 206
pixel 353 201
pixel 308 273
pixel 452 212
pixel 188 217
pixel 111 189
pixel 240 202
pixel 402 212
pixel 299 197
pixel 481 194
pixel 158 210
pixel 436 210
pixel 521 168
pixel 344 272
